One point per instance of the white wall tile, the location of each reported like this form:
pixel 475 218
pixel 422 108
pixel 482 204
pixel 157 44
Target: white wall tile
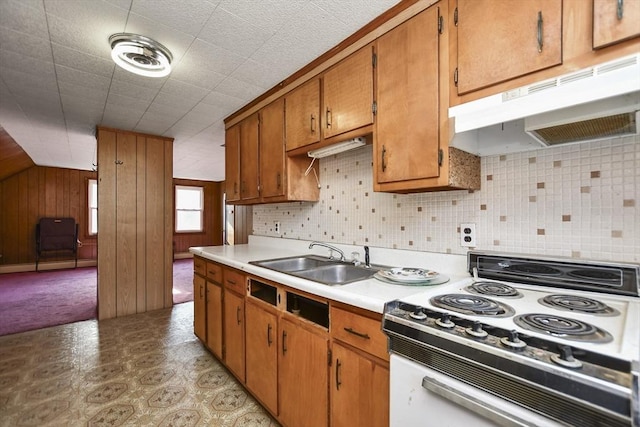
pixel 595 186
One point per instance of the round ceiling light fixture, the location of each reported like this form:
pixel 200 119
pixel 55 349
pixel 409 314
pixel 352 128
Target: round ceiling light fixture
pixel 140 55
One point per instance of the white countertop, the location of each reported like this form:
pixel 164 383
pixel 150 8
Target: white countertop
pixel 370 294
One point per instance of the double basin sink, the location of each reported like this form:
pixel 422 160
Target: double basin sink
pixel 320 269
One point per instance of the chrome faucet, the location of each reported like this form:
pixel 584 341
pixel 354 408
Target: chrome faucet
pixel 331 249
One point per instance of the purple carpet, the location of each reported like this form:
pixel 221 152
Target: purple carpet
pixel 33 300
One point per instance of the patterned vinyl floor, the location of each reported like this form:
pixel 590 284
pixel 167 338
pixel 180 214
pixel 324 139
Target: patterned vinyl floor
pixel 140 370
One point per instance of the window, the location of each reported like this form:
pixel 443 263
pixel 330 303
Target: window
pixel 93 207
pixel 189 208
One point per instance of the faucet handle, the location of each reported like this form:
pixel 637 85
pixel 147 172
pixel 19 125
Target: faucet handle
pixel 367 260
pixel 355 258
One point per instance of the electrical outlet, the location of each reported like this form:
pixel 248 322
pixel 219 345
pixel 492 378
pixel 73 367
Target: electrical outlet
pixel 277 227
pixel 468 235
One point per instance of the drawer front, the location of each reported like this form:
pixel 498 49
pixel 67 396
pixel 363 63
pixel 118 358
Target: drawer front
pixel 199 266
pixel 234 281
pixel 214 272
pixel 359 331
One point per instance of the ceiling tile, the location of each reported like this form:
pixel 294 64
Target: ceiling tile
pixel 24 16
pixel 81 78
pixel 238 89
pixel 25 82
pixel 212 57
pixel 188 71
pixel 234 34
pixel 141 95
pixel 231 103
pixel 25 44
pixel 259 74
pixel 82 61
pixel 188 16
pixel 358 12
pixel 266 14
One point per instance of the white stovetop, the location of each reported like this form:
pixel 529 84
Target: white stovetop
pixel 369 294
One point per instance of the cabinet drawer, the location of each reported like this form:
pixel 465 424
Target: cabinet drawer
pixel 235 281
pixel 199 266
pixel 359 331
pixel 214 272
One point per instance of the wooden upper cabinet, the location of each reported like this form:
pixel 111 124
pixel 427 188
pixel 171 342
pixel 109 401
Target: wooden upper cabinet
pixel 232 163
pixel 406 140
pixel 499 40
pixel 272 155
pixel 302 110
pixel 249 146
pixel 348 94
pixel 615 21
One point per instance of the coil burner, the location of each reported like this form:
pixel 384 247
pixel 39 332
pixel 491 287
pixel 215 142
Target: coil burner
pixel 562 327
pixel 471 304
pixel 578 304
pixel 494 289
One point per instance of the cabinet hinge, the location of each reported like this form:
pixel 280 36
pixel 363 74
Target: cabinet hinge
pixel 440 24
pixel 455 77
pixel 440 156
pixel 374 107
pixel 374 60
pixel 329 358
pixel 455 17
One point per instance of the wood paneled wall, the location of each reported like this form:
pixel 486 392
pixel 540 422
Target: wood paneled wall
pixel 38 192
pixel 213 217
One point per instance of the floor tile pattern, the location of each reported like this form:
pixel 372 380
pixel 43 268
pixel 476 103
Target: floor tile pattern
pixel 141 370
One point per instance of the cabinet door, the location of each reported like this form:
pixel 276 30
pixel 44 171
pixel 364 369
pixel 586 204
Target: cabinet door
pixel 234 334
pixel 499 40
pixel 199 308
pixel 302 110
pixel 262 355
pixel 359 390
pixel 614 21
pixel 272 156
pixel 406 143
pixel 232 163
pixel 249 171
pixel 214 318
pixel 303 376
pixel 348 94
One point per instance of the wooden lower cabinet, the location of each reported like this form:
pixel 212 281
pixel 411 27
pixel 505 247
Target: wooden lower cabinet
pixel 303 376
pixel 261 331
pixel 214 318
pixel 359 390
pixel 234 339
pixel 199 308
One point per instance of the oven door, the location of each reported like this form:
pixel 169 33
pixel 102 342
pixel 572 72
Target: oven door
pixel 421 396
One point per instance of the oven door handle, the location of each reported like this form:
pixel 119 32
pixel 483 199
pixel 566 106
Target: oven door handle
pixel 496 415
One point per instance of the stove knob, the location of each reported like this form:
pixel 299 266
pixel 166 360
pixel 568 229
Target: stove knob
pixel 418 314
pixel 513 340
pixel 476 330
pixel 445 321
pixel 565 358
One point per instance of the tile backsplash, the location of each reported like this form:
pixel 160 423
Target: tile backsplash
pixel 580 201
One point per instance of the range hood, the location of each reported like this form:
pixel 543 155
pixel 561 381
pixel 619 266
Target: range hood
pixel 593 103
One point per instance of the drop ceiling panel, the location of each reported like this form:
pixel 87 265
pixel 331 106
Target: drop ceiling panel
pixel 57 77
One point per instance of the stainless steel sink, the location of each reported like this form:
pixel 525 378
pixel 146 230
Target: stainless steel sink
pixel 319 269
pixel 337 274
pixel 295 263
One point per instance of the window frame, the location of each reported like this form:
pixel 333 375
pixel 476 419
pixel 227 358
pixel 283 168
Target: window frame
pixel 92 183
pixel 178 187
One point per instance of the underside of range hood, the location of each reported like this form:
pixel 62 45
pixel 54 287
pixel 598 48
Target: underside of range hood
pixel 606 119
pixel 594 103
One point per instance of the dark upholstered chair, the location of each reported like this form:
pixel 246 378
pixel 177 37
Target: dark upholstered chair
pixel 55 236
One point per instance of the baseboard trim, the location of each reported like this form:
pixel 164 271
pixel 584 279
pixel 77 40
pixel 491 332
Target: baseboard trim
pixel 42 266
pixel 182 255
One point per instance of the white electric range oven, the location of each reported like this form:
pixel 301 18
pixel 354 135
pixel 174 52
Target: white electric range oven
pixel 526 341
